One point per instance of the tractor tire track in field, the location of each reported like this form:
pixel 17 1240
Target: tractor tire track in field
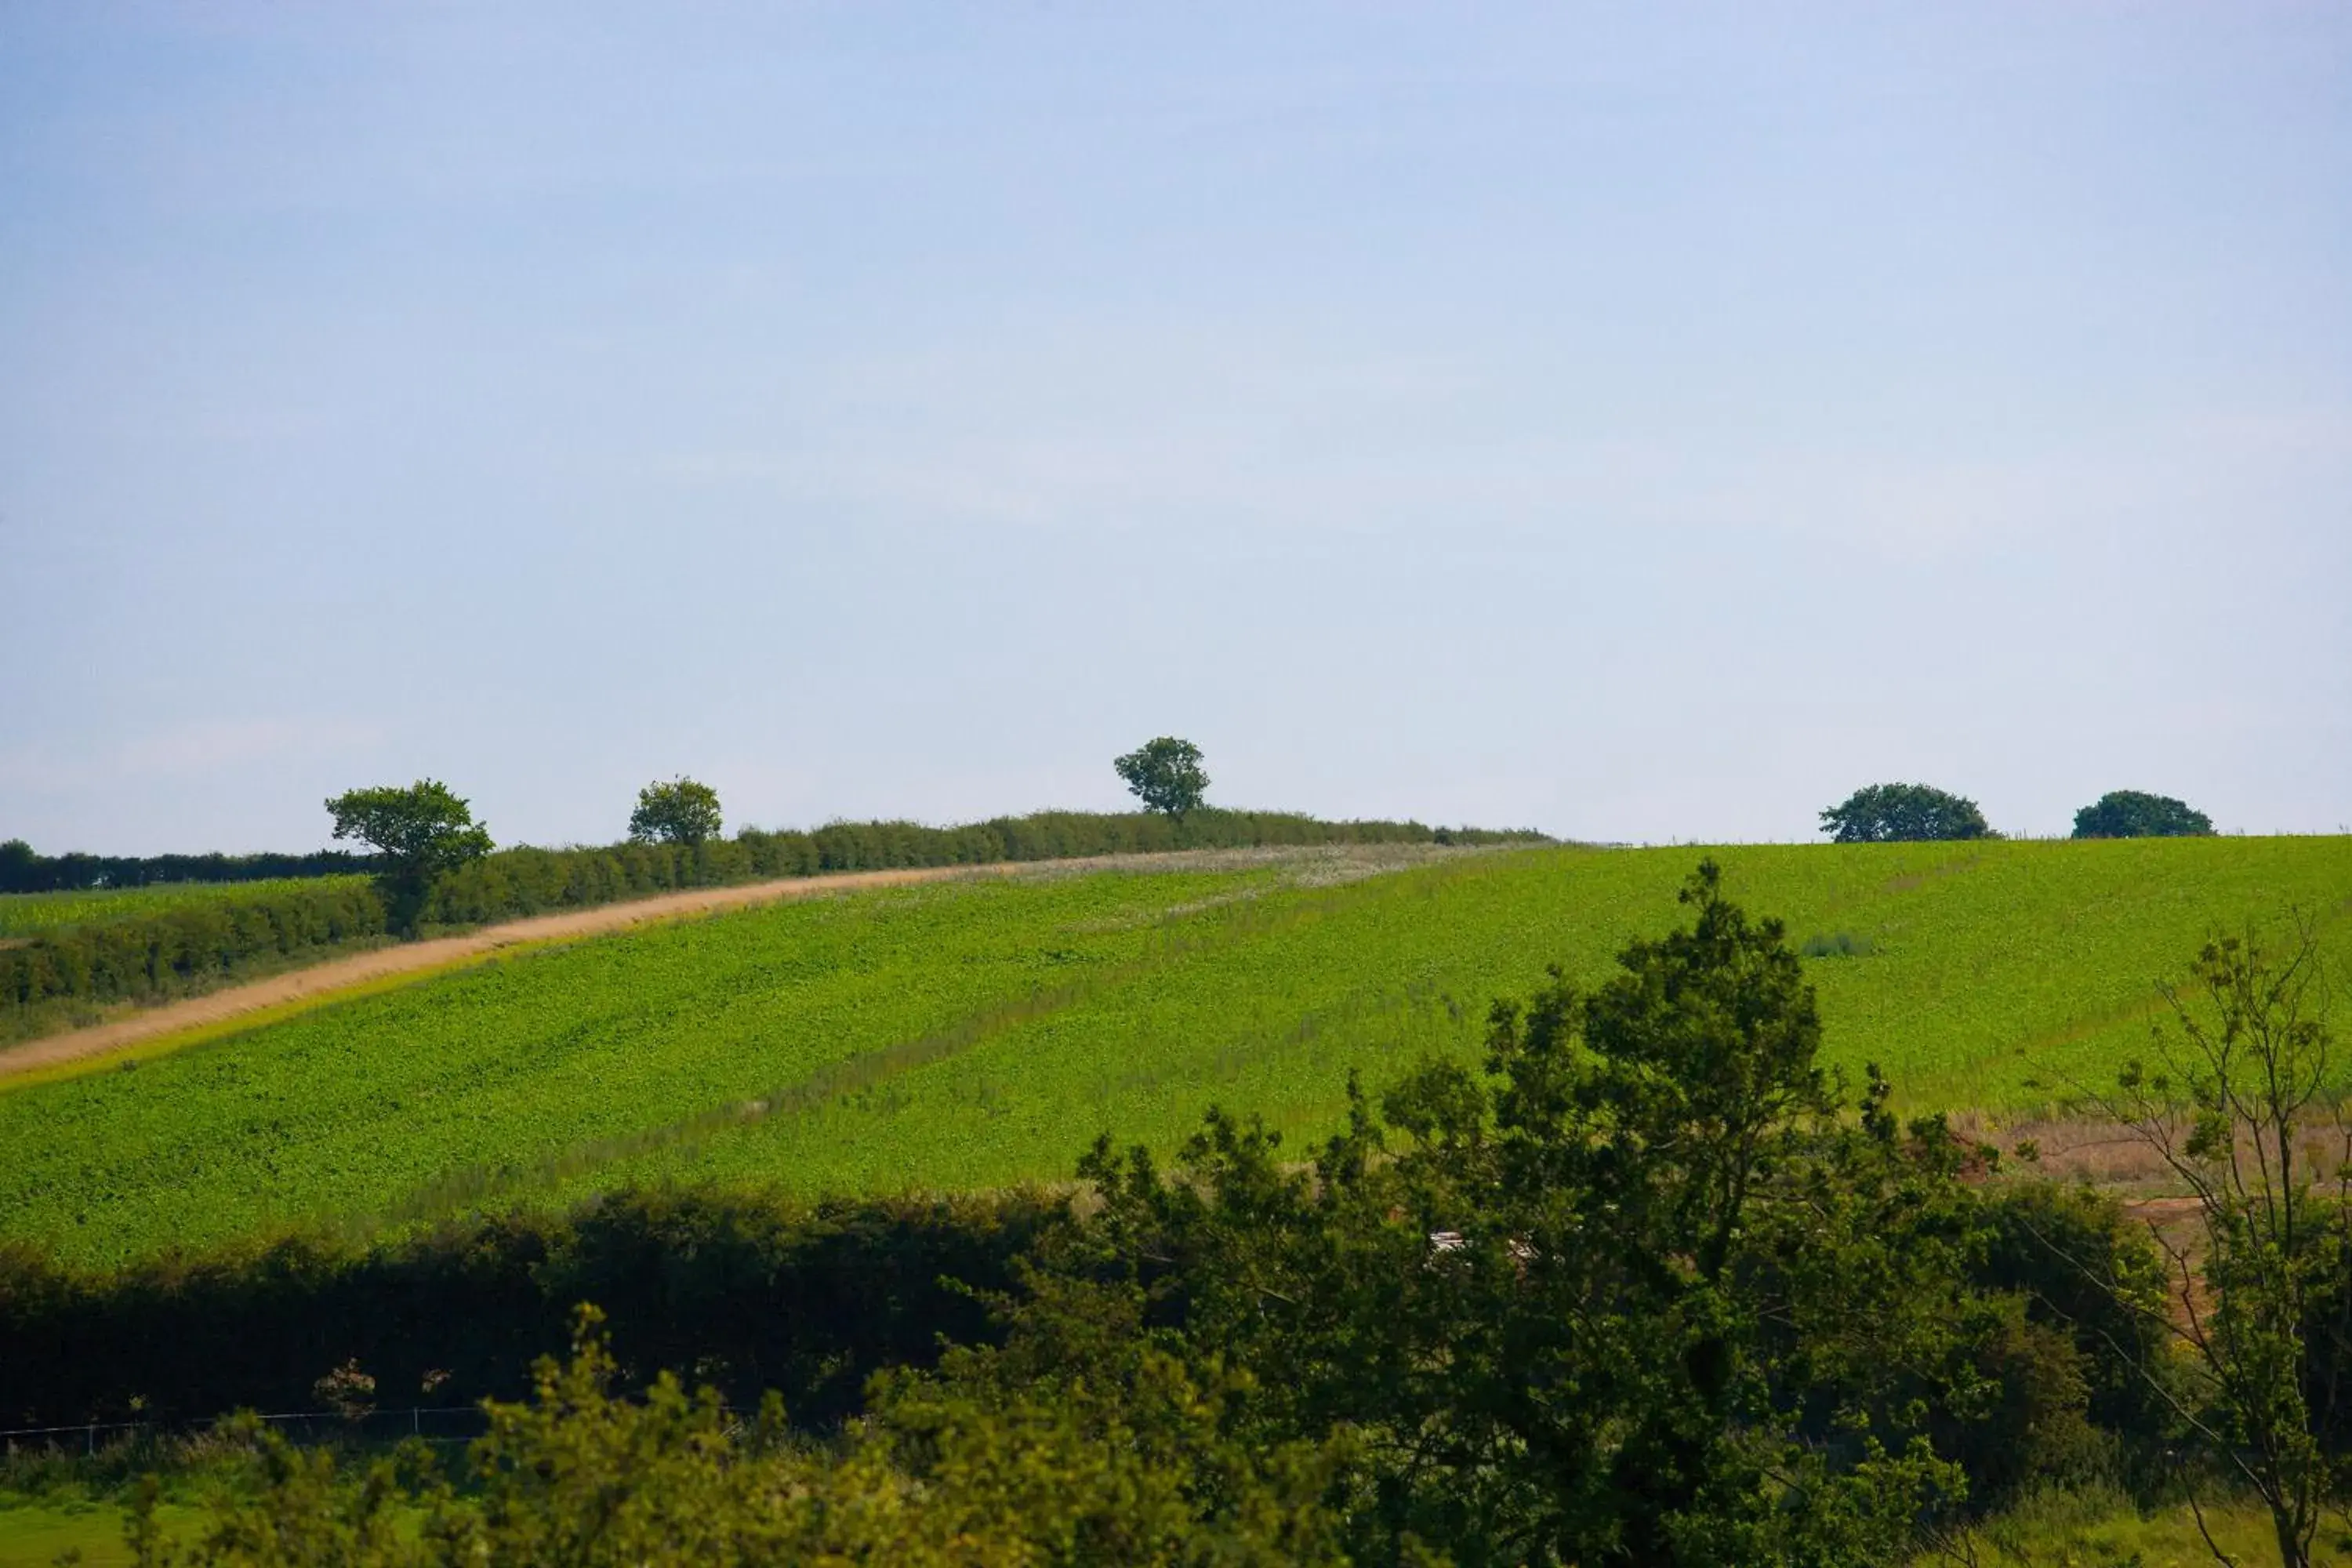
pixel 476 1185
pixel 1314 864
pixel 2148 1009
pixel 322 982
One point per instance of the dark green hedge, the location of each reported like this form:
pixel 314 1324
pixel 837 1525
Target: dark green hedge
pixel 749 1293
pixel 143 958
pixel 526 881
pixel 185 948
pixel 746 1291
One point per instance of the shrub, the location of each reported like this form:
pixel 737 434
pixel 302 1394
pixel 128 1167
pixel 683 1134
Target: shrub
pixel 1844 944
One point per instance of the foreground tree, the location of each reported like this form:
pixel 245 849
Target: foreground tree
pixel 2242 1103
pixel 1165 774
pixel 1648 1289
pixel 422 830
pixel 679 811
pixel 2130 814
pixel 1643 1292
pixel 1902 812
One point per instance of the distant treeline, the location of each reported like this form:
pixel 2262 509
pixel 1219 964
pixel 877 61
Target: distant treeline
pixel 23 869
pixel 145 957
pixel 756 1292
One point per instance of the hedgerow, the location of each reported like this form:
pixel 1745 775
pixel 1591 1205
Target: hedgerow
pixel 215 935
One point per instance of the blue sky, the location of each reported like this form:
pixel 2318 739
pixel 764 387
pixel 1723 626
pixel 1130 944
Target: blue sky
pixel 1643 423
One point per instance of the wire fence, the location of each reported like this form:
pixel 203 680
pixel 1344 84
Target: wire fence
pixel 435 1424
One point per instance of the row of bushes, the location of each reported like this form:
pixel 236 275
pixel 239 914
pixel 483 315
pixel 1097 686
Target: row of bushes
pixel 749 1293
pixel 185 948
pixel 526 881
pixel 146 957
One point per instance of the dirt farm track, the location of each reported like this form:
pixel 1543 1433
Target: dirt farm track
pixel 322 980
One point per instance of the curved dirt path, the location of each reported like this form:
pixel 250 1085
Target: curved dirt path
pixel 322 980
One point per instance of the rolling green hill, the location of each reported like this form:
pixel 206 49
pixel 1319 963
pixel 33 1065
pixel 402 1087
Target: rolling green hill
pixel 979 1034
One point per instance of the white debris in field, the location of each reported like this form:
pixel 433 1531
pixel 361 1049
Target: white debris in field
pixel 1454 1241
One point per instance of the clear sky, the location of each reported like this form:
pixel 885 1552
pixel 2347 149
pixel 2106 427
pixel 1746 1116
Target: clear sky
pixel 1643 423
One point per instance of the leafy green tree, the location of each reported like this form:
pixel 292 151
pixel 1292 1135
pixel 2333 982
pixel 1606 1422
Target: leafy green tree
pixel 423 831
pixel 2131 814
pixel 1165 774
pixel 1648 1288
pixel 1641 1292
pixel 679 811
pixel 1902 812
pixel 2243 1104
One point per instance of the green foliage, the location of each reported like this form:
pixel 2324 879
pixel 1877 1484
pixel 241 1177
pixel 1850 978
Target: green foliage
pixel 1843 944
pixel 2129 814
pixel 39 992
pixel 43 914
pixel 526 881
pixel 2087 1270
pixel 679 812
pixel 520 1070
pixel 752 1293
pixel 423 831
pixel 965 1036
pixel 1902 814
pixel 1165 774
pixel 1137 1468
pixel 170 940
pixel 1647 1285
pixel 24 871
pixel 1637 1292
pixel 2239 1105
pixel 2099 1525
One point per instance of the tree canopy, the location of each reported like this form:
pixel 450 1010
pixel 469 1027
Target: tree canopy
pixel 1647 1285
pixel 1165 774
pixel 679 812
pixel 2133 814
pixel 1639 1292
pixel 1902 812
pixel 423 830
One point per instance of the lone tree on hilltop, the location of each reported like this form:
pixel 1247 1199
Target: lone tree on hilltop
pixel 422 831
pixel 1902 812
pixel 1165 774
pixel 679 811
pixel 2132 814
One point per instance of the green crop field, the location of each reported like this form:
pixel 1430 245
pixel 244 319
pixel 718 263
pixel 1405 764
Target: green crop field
pixel 975 1034
pixel 38 914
